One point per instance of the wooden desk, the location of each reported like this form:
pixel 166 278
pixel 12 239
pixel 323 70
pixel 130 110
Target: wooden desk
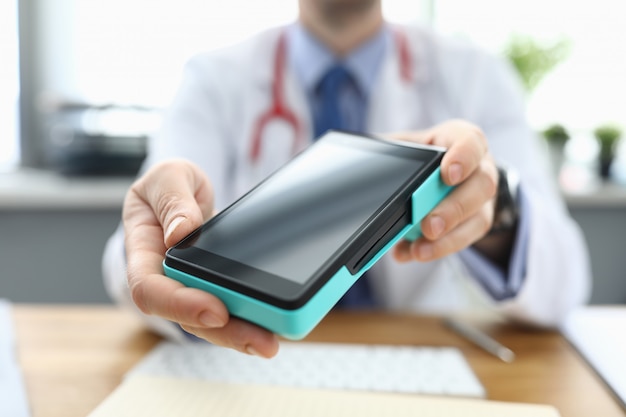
pixel 74 356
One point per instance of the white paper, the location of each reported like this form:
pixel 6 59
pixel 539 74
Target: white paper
pixel 12 393
pixel 425 370
pixel 143 396
pixel 599 334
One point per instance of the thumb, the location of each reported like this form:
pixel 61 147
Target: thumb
pixel 417 136
pixel 178 228
pixel 180 196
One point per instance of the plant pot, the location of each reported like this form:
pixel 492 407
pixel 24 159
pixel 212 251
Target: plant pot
pixel 604 167
pixel 556 152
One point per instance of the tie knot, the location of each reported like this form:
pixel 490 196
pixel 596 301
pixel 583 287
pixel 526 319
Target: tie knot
pixel 333 79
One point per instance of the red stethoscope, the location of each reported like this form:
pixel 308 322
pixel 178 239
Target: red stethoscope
pixel 278 109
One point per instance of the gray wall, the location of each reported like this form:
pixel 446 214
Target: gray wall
pixel 53 256
pixel 605 231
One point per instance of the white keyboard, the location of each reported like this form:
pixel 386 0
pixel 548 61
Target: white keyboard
pixel 406 369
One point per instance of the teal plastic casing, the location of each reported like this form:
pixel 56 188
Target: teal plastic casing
pixel 296 324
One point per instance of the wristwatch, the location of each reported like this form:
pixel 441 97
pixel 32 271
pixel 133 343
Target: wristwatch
pixel 506 213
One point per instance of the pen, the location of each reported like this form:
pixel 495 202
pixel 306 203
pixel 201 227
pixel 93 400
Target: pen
pixel 480 339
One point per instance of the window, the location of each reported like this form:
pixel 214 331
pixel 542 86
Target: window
pixel 585 90
pixel 132 52
pixel 117 52
pixel 9 84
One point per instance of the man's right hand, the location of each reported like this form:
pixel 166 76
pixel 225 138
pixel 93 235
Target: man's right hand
pixel 163 206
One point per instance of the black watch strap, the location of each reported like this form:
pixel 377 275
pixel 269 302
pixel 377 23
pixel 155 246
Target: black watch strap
pixel 506 213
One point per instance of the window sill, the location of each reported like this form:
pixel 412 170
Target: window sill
pixel 40 189
pixel 604 195
pixel 25 188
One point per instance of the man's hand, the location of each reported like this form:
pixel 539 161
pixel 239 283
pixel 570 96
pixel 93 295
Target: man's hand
pixel 163 206
pixel 466 214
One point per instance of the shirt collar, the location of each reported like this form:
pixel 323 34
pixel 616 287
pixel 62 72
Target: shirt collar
pixel 311 59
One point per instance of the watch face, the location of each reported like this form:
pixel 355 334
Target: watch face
pixel 506 211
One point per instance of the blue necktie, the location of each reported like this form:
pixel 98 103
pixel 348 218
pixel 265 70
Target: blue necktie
pixel 329 116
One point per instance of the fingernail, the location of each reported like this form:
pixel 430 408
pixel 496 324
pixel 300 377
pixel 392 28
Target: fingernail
pixel 252 351
pixel 455 173
pixel 173 226
pixel 425 251
pixel 403 257
pixel 211 320
pixel 437 225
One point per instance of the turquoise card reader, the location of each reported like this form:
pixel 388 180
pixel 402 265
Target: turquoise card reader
pixel 286 252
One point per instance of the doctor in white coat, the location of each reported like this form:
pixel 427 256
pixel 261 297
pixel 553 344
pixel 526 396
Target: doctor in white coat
pixel 242 112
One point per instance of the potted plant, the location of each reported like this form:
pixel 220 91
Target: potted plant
pixel 556 135
pixel 607 136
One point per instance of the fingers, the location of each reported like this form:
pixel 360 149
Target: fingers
pixel 461 219
pixel 158 295
pixel 242 336
pixel 199 313
pixel 464 202
pixel 464 235
pixel 466 214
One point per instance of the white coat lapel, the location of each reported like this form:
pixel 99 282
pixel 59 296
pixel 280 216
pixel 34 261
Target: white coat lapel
pixel 395 104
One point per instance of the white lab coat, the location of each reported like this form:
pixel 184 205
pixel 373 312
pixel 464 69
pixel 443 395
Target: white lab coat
pixel 212 119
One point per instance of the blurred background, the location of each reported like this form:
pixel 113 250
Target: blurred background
pixel 83 83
